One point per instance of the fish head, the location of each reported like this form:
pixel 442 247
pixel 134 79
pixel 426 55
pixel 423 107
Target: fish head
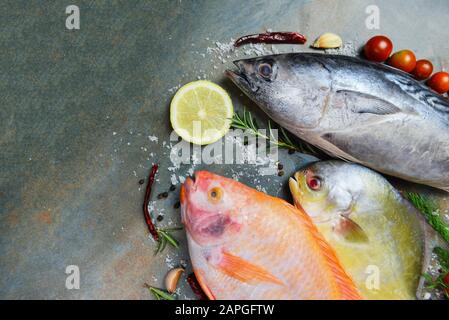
pixel 210 208
pixel 327 189
pixel 291 88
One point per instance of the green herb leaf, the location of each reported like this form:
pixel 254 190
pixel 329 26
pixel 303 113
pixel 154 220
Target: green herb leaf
pixel 430 211
pixel 247 122
pixel 443 258
pixel 437 283
pixel 166 237
pixel 164 244
pixel 172 229
pixel 159 246
pixel 158 293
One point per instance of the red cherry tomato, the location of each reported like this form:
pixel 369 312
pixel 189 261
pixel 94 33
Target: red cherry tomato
pixel 378 48
pixel 404 60
pixel 423 69
pixel 439 82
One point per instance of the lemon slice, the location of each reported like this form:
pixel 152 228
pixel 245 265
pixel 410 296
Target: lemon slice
pixel 200 112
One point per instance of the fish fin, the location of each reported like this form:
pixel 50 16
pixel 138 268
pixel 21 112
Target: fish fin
pixel 245 271
pixel 206 290
pixel 350 230
pixel 346 287
pixel 365 103
pixel 328 146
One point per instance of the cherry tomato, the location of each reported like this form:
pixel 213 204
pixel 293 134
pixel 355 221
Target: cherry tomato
pixel 439 82
pixel 378 48
pixel 423 69
pixel 404 60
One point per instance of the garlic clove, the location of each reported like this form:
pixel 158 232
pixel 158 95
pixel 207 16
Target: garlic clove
pixel 172 278
pixel 327 41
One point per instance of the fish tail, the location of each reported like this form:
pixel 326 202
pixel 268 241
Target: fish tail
pixel 343 282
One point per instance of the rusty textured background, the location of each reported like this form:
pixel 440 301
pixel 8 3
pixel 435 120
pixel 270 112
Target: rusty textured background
pixel 77 108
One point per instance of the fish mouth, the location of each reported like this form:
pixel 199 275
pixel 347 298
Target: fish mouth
pixel 212 223
pixel 295 190
pixel 186 188
pixel 201 225
pixel 240 78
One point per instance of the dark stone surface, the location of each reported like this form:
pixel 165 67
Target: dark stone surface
pixel 69 192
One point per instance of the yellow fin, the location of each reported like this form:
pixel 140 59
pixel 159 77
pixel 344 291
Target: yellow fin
pixel 245 271
pixel 350 230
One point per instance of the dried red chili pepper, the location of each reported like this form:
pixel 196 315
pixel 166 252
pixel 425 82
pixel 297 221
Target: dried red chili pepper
pixel 146 201
pixel 196 288
pixel 272 37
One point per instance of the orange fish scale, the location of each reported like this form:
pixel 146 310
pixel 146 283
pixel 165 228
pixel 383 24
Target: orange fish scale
pixel 287 255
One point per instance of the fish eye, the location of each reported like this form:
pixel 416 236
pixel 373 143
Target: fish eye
pixel 314 183
pixel 214 195
pixel 265 70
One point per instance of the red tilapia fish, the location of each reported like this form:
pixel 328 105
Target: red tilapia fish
pixel 245 244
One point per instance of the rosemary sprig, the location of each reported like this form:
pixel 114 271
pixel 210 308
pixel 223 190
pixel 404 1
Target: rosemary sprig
pixel 165 237
pixel 437 283
pixel 247 122
pixel 430 211
pixel 443 258
pixel 158 293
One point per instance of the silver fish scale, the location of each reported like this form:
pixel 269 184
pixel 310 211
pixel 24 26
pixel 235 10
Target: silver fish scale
pixel 421 93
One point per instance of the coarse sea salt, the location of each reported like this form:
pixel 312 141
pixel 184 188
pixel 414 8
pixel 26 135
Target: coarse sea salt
pixel 173 179
pixel 174 89
pixel 169 261
pixel 153 138
pixel 348 48
pixel 225 47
